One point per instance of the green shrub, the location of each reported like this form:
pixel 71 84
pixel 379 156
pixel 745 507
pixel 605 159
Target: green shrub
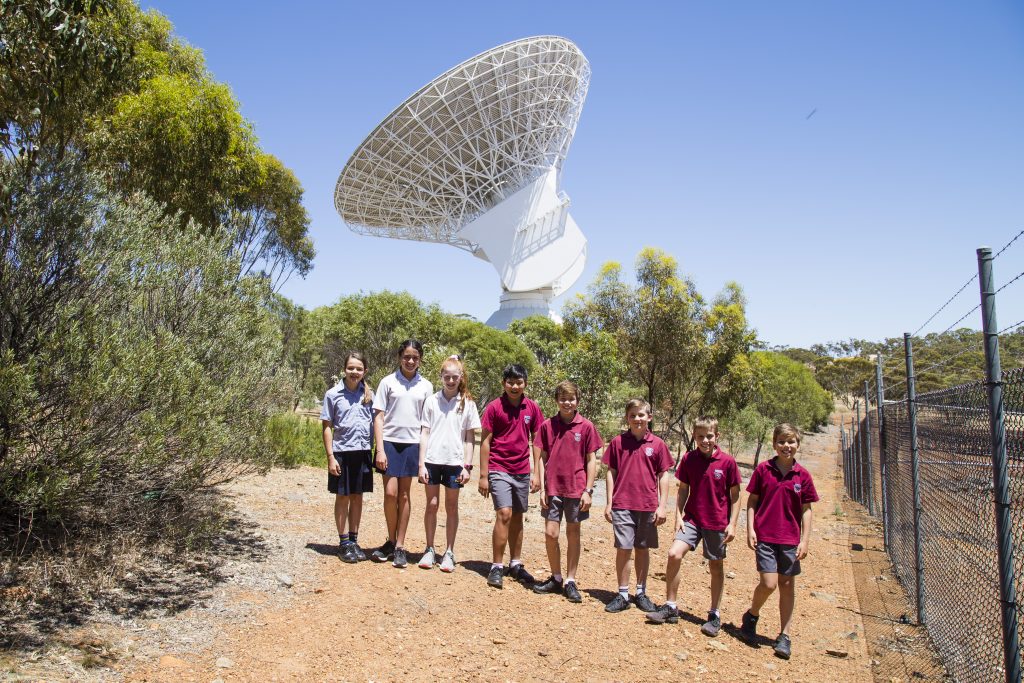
pixel 295 440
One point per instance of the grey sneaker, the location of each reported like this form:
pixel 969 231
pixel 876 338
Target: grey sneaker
pixel 572 593
pixel 644 603
pixel 549 586
pixel 359 553
pixel 494 577
pixel 384 553
pixel 448 562
pixel 748 627
pixel 520 574
pixel 618 604
pixel 347 553
pixel 712 626
pixel 428 559
pixel 664 615
pixel 783 647
pixel 401 561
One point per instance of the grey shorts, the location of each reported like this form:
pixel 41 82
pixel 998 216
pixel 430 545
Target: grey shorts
pixel 714 541
pixel 509 490
pixel 634 529
pixel 773 558
pixel 570 507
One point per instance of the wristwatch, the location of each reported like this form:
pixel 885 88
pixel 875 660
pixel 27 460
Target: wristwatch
pixel 469 467
pixel 590 491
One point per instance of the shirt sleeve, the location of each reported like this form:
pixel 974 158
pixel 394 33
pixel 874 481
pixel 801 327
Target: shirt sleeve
pixel 754 485
pixel 325 410
pixel 380 398
pixel 611 454
pixel 808 493
pixel 538 417
pixel 487 419
pixel 664 458
pixel 470 416
pixel 681 470
pixel 541 440
pixel 594 441
pixel 733 475
pixel 428 413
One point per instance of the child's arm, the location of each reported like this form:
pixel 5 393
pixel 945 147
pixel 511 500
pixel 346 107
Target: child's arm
pixel 682 496
pixel 734 512
pixel 609 481
pixel 535 478
pixel 662 514
pixel 586 500
pixel 483 486
pixel 806 523
pixel 332 463
pixel 468 442
pixel 538 467
pixel 424 440
pixel 381 459
pixel 752 501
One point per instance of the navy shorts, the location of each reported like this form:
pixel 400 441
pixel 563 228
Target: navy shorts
pixel 444 475
pixel 356 476
pixel 403 459
pixel 773 558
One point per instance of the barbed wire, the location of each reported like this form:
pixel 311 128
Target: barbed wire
pixel 1007 329
pixel 1007 245
pixel 948 302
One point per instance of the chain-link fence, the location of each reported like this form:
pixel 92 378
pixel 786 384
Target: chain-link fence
pixel 944 471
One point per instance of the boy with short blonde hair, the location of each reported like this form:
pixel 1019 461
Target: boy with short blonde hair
pixel 707 508
pixel 638 473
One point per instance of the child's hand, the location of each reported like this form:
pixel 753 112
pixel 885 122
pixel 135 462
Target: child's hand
pixel 801 550
pixel 381 461
pixel 534 483
pixel 483 486
pixel 608 513
pixel 659 516
pixel 730 534
pixel 424 475
pixel 543 500
pixel 751 539
pixel 332 466
pixel 585 501
pixel 463 476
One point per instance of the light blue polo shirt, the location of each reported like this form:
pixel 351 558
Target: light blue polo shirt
pixel 351 420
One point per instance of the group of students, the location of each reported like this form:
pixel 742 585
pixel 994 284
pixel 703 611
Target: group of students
pixel 416 432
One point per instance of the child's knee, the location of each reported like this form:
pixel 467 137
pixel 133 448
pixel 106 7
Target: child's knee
pixel 678 550
pixel 787 583
pixel 503 515
pixel 770 581
pixel 717 567
pixel 551 532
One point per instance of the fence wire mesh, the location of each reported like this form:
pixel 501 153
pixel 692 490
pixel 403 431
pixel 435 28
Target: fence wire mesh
pixel 959 570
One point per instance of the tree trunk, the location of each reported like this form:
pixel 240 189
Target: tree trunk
pixel 757 453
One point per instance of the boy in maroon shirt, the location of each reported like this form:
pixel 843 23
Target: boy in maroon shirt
pixel 566 463
pixel 638 472
pixel 707 508
pixel 507 428
pixel 779 522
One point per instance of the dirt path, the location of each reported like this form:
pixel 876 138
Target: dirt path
pixel 373 622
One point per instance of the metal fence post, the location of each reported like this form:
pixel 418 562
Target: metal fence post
pixel 1004 529
pixel 870 488
pixel 915 476
pixel 858 472
pixel 881 451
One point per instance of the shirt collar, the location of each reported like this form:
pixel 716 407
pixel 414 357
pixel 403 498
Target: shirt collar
pixel 577 419
pixel 508 404
pixel 407 382
pixel 648 437
pixel 796 469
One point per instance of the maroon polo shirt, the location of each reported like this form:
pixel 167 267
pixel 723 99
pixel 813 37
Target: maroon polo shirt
pixel 567 446
pixel 709 479
pixel 512 428
pixel 637 464
pixel 780 501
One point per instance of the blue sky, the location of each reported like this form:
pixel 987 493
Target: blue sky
pixel 859 221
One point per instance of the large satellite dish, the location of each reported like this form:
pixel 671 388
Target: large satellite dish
pixel 473 160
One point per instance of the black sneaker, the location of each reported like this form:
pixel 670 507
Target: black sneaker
pixel 346 553
pixel 359 553
pixel 664 615
pixel 783 647
pixel 494 577
pixel 549 586
pixel 520 574
pixel 748 628
pixel 572 593
pixel 618 604
pixel 400 559
pixel 712 626
pixel 644 603
pixel 384 553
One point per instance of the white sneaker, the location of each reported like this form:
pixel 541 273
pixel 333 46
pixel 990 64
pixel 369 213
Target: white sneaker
pixel 427 561
pixel 448 562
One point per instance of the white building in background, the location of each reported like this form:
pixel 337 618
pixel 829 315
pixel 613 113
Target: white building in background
pixel 473 160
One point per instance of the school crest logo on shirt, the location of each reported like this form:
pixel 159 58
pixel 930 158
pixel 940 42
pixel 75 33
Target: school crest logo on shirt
pixel 577 436
pixel 718 474
pixel 796 487
pixel 526 418
pixel 649 451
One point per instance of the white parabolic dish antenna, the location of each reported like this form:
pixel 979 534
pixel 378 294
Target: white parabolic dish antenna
pixel 472 159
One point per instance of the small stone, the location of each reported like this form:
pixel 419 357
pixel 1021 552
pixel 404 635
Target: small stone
pixel 881 577
pixel 852 635
pixel 716 645
pixel 543 653
pixel 701 669
pixel 823 596
pixel 171 662
pixel 498 641
pixel 224 663
pixel 837 653
pixel 770 667
pixel 730 575
pixel 682 655
pixel 285 580
pixel 318 590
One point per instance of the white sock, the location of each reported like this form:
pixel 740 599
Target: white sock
pixel 497 565
pixel 671 603
pixel 640 588
pixel 624 591
pixel 514 563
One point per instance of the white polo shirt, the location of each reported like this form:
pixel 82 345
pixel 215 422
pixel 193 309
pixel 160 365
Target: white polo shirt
pixel 401 401
pixel 447 424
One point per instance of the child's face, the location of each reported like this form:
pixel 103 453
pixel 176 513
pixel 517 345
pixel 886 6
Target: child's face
pixel 705 439
pixel 514 387
pixel 787 446
pixel 567 404
pixel 410 358
pixel 450 376
pixel 637 419
pixel 354 370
